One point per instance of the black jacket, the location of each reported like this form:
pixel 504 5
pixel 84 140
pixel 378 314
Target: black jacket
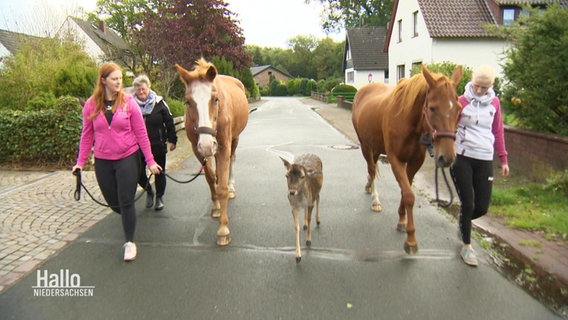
pixel 161 128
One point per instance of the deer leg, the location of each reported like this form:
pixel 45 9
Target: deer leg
pixel 297 230
pixel 318 211
pixel 309 235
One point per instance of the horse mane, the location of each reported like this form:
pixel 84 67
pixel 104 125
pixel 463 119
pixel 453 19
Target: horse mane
pixel 409 91
pixel 200 68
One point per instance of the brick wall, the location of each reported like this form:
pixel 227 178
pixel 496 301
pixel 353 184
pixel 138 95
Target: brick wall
pixel 536 155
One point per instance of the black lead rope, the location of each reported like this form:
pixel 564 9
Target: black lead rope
pixel 426 139
pixel 79 185
pixel 449 189
pixel 195 175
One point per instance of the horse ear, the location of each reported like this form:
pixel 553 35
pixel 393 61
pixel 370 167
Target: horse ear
pixel 183 74
pixel 428 76
pixel 211 73
pixel 457 75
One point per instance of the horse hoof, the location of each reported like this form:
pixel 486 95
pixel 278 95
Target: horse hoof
pixel 305 227
pixel 377 207
pixel 232 195
pixel 298 259
pixel 410 249
pixel 308 243
pixel 223 240
pixel 215 213
pixel 401 227
pixel 318 223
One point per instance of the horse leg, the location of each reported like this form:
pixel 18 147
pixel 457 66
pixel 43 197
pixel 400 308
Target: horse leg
pixel 372 173
pixel 411 244
pixel 232 191
pixel 297 230
pixel 406 205
pixel 223 164
pixel 211 182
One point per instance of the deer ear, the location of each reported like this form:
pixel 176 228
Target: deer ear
pixel 286 163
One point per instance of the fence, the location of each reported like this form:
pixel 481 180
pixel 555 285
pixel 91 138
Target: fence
pixel 536 155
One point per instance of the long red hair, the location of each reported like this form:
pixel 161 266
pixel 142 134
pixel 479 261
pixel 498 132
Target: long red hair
pixel 99 92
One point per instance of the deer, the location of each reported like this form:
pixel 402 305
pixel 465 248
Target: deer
pixel 305 179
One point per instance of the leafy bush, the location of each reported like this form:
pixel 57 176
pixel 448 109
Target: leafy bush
pixel 277 88
pixel 447 68
pixel 537 71
pixel 558 183
pixel 47 65
pixel 43 137
pixel 177 107
pixel 44 100
pixel 344 88
pixel 325 86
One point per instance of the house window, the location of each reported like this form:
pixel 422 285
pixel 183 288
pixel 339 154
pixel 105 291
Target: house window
pixel 400 72
pixel 415 23
pixel 350 77
pixel 508 16
pixel 399 23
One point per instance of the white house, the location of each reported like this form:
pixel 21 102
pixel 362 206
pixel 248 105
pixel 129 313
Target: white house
pixel 423 31
pixel 101 42
pixel 364 60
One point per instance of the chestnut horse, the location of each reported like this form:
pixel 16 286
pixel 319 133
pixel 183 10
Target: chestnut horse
pixel 216 113
pixel 391 121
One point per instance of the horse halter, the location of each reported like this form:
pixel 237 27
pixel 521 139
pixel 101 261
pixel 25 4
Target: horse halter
pixel 206 130
pixel 433 132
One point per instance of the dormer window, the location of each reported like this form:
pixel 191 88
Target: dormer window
pixel 508 16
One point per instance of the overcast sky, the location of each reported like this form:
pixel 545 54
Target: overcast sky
pixel 266 23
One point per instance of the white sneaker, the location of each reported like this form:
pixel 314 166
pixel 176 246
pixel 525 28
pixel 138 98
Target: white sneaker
pixel 129 251
pixel 468 256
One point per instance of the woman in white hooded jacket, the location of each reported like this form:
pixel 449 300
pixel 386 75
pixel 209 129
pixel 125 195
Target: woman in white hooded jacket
pixel 479 135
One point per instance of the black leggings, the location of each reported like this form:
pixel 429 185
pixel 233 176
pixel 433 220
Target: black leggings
pixel 160 179
pixel 117 181
pixel 473 180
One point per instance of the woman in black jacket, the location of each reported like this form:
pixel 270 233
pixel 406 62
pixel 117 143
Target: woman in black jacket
pixel 161 130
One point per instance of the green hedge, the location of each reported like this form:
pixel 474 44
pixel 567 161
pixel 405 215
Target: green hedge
pixel 43 137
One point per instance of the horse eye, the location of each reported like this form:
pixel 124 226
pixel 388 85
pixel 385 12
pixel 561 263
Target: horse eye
pixel 432 109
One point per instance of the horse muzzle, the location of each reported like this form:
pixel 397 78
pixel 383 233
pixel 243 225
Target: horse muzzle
pixel 207 143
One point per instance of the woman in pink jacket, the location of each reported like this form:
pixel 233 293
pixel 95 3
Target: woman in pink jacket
pixel 479 135
pixel 113 125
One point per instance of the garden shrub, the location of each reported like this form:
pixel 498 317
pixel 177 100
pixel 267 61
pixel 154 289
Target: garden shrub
pixel 43 137
pixel 177 108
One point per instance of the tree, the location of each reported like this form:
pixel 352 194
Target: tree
pixel 181 32
pixel 339 14
pixel 47 67
pixel 125 17
pixel 328 58
pixel 536 68
pixel 301 63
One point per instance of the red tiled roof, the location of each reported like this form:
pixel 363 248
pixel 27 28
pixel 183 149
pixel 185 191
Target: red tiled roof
pixel 456 18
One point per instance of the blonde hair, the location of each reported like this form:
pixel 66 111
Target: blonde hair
pixel 484 73
pixel 141 79
pixel 99 94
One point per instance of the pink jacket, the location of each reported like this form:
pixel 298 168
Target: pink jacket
pixel 118 140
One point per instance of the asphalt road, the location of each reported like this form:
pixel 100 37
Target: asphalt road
pixel 355 269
